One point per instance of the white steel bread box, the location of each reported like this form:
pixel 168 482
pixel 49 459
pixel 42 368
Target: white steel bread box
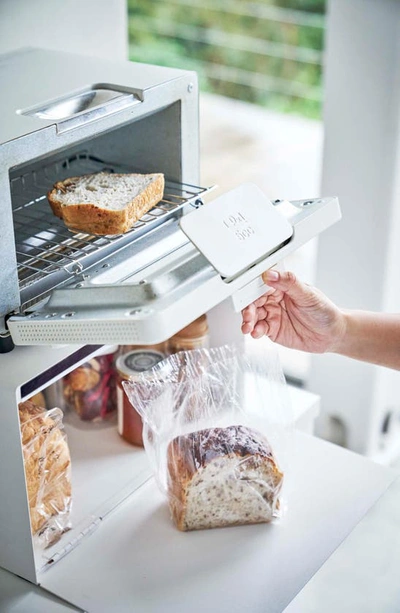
pixel 66 294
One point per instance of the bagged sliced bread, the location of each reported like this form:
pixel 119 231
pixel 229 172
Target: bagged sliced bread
pixel 105 203
pixel 47 464
pixel 222 477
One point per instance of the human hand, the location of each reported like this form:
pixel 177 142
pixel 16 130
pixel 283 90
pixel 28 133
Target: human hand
pixel 294 315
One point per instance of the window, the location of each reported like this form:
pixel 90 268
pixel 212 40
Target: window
pixel 260 72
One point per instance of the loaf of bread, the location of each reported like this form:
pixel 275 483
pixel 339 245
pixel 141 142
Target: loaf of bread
pixel 38 399
pixel 47 465
pixel 105 203
pixel 222 477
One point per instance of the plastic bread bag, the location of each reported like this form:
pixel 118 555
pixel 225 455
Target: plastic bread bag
pixel 216 428
pixel 47 466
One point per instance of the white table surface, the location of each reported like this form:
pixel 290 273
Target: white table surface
pixel 363 574
pixel 139 562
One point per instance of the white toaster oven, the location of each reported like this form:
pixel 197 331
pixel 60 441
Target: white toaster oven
pixel 65 116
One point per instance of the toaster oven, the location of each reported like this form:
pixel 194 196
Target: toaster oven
pixel 64 116
pixel 65 295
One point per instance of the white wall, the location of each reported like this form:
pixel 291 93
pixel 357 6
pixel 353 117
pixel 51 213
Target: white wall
pixel 359 259
pixel 88 27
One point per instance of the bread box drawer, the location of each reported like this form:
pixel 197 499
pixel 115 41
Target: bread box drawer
pixel 248 568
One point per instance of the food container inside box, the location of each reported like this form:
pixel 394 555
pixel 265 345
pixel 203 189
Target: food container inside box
pixel 193 336
pixel 217 428
pixel 47 466
pixel 89 390
pixel 161 347
pixel 129 366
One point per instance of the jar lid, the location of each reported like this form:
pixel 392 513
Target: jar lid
pixel 198 327
pixel 135 362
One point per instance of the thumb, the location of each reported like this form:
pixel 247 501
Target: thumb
pixel 288 283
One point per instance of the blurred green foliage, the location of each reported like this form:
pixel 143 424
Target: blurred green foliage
pixel 268 52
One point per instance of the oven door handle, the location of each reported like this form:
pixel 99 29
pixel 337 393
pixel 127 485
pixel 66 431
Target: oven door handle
pixel 83 107
pixel 237 230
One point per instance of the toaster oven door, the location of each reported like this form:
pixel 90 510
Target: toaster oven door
pixel 180 260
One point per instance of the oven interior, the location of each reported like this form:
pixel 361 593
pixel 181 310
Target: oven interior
pixel 48 254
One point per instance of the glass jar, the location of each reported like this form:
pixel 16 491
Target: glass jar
pixel 130 365
pixel 90 389
pixel 160 347
pixel 193 336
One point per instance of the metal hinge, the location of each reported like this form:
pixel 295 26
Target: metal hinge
pixel 58 555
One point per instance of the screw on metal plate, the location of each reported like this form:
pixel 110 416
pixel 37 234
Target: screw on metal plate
pixel 76 268
pixel 139 312
pixel 70 314
pixel 190 88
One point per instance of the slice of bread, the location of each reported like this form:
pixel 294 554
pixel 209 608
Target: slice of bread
pixel 222 477
pixel 105 203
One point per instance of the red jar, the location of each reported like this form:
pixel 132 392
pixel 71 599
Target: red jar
pixel 130 365
pixel 89 390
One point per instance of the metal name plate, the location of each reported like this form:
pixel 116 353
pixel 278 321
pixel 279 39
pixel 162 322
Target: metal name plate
pixel 237 230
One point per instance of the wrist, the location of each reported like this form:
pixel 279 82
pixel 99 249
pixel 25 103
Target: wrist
pixel 358 333
pixel 371 337
pixel 342 332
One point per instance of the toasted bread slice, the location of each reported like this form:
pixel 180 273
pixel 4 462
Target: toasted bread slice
pixel 105 203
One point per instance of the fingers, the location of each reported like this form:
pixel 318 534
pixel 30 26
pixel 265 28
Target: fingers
pixel 286 282
pixel 249 312
pixel 249 318
pixel 257 329
pixel 247 327
pixel 253 317
pixel 260 329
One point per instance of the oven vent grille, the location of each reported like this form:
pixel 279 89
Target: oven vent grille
pixel 50 333
pixel 48 254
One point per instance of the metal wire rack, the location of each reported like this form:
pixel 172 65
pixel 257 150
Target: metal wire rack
pixel 47 252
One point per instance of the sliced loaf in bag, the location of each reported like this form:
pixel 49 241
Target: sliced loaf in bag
pixel 222 477
pixel 47 464
pixel 105 203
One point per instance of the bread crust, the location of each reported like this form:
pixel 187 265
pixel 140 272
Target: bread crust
pixel 93 219
pixel 190 453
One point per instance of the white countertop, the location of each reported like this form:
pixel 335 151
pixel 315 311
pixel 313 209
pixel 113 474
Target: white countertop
pixel 349 581
pixel 139 561
pixel 362 575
